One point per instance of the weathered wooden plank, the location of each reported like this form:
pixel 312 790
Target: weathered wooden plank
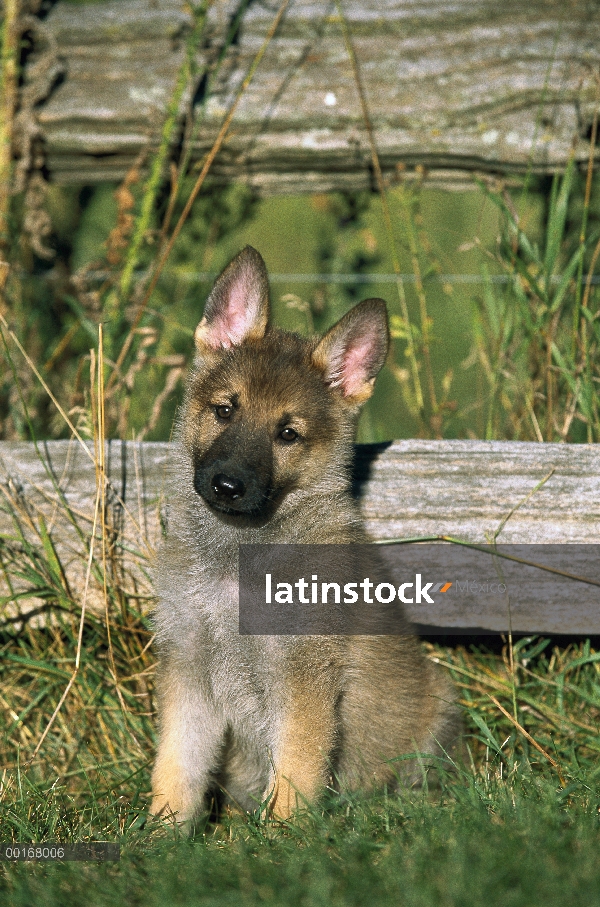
pixel 54 486
pixel 466 488
pixel 455 86
pixel 407 489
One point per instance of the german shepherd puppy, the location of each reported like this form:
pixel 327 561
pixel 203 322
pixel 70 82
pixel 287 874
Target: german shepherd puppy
pixel 264 453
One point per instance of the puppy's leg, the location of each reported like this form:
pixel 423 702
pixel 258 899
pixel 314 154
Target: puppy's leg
pixel 190 747
pixel 306 740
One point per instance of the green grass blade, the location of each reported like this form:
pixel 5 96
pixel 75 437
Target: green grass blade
pixel 565 280
pixel 557 218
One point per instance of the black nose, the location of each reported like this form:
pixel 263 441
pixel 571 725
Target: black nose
pixel 228 486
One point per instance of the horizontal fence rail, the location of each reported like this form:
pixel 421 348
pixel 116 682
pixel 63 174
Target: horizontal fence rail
pixel 453 88
pixel 473 492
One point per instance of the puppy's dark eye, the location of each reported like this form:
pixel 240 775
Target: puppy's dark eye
pixel 223 411
pixel 288 435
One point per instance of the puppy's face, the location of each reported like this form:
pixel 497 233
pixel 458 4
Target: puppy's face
pixel 261 422
pixel 268 412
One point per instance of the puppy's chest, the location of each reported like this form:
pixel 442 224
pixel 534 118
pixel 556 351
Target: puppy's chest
pixel 197 608
pixel 238 671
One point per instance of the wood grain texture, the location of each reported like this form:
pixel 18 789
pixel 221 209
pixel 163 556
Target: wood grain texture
pixel 466 488
pixel 407 489
pixel 455 86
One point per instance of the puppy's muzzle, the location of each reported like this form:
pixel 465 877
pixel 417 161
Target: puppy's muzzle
pixel 238 492
pixel 235 475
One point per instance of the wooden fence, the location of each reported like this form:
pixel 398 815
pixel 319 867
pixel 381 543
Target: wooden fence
pixel 472 491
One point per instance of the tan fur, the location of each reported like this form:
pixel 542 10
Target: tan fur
pixel 307 738
pixel 265 446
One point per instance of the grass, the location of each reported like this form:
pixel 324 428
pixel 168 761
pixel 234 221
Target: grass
pixel 540 350
pixel 480 839
pixel 472 844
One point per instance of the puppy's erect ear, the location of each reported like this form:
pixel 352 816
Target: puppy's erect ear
pixel 352 352
pixel 238 306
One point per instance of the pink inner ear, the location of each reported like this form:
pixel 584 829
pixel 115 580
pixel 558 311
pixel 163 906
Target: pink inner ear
pixel 231 326
pixel 355 364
